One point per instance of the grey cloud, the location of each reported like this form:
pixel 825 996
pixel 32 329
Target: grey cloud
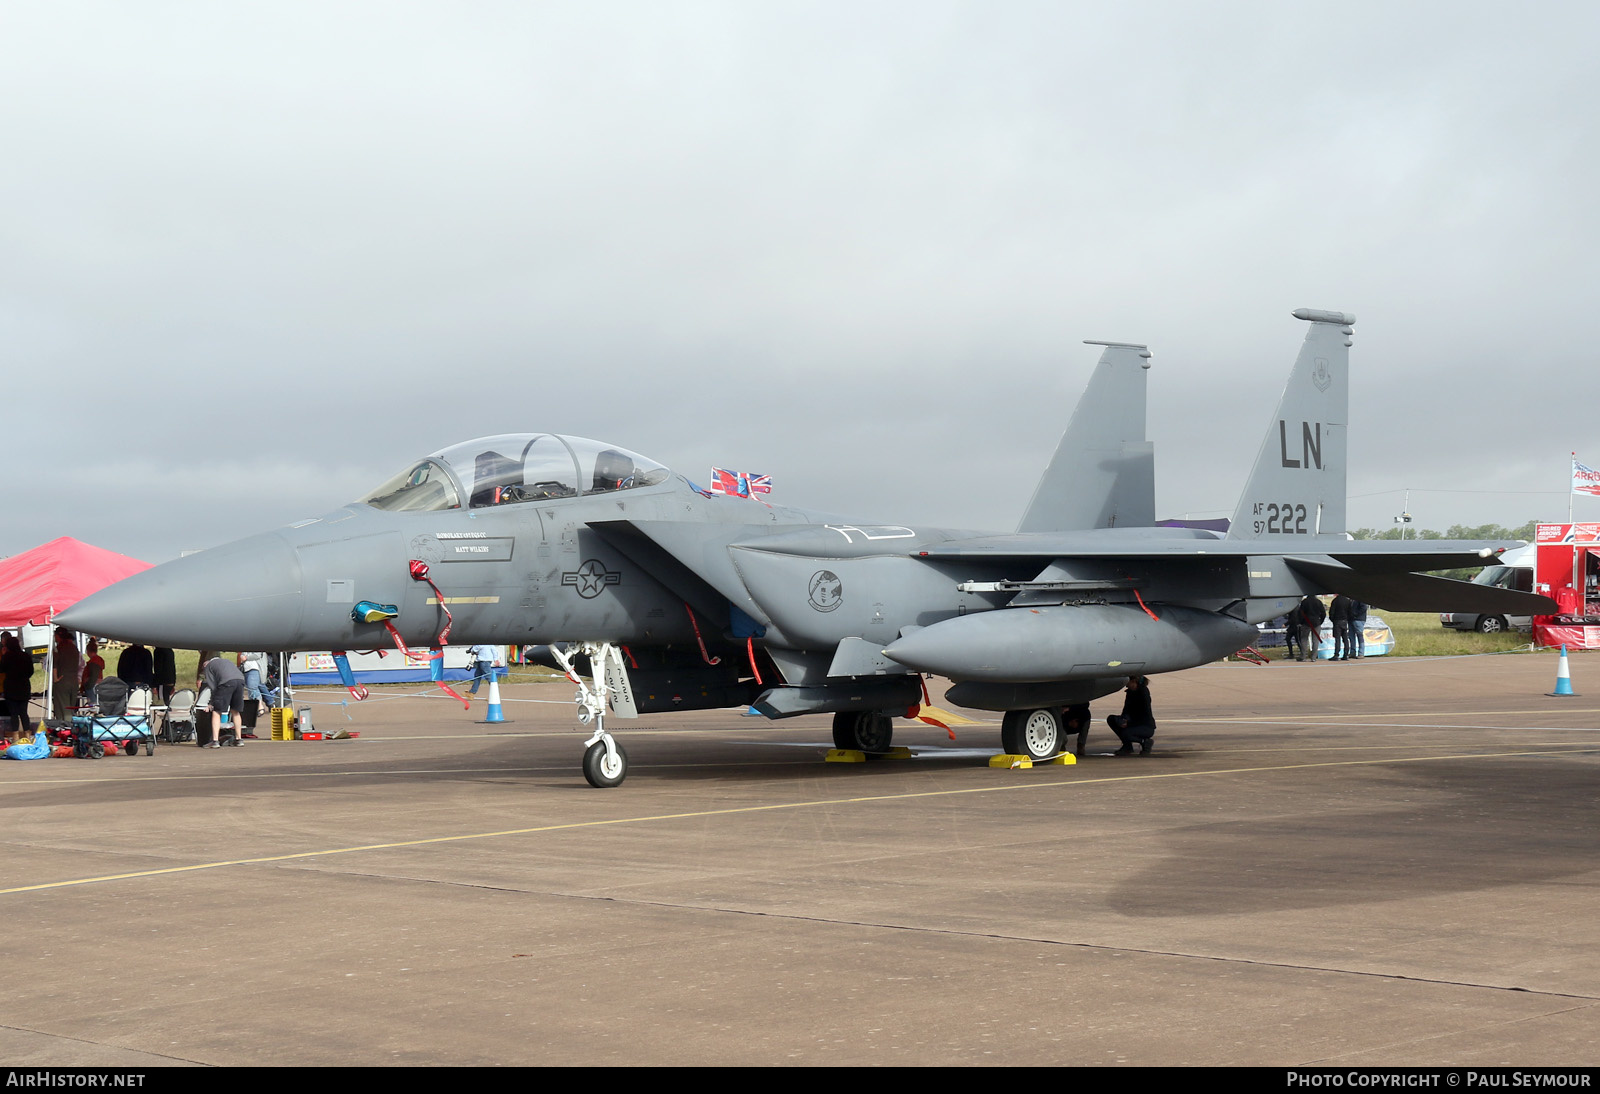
pixel 252 256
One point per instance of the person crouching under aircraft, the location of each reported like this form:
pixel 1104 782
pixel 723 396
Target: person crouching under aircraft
pixel 1075 722
pixel 1136 725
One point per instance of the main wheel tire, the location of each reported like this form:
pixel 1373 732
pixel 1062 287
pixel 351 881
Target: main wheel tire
pixel 601 769
pixel 844 733
pixel 867 731
pixel 1491 624
pixel 1035 734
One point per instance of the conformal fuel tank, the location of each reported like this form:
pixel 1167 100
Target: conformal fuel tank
pixel 1020 645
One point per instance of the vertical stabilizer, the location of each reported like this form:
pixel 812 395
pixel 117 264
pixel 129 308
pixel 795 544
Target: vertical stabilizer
pixel 1103 472
pixel 1297 487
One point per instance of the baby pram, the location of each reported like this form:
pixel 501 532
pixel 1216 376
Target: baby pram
pixel 120 719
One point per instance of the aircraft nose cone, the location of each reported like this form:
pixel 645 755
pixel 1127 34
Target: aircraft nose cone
pixel 243 595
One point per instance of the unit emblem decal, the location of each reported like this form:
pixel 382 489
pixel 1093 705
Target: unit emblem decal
pixel 826 592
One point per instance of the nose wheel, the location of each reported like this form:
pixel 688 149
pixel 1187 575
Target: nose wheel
pixel 605 763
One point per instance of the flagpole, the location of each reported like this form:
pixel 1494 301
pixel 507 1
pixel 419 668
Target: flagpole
pixel 1571 479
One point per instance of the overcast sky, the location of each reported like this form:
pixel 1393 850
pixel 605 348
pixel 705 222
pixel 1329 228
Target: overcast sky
pixel 254 258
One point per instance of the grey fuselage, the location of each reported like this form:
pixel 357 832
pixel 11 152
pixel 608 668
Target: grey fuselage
pixel 652 566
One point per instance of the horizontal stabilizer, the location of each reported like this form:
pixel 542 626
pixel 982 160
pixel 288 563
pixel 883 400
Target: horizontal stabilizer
pixel 1407 592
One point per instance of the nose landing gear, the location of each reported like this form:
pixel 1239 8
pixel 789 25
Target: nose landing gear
pixel 604 761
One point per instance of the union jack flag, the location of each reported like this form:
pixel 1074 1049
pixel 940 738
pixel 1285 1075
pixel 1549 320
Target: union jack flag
pixel 739 484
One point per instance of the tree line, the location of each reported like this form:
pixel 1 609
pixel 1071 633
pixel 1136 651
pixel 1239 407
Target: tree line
pixel 1455 531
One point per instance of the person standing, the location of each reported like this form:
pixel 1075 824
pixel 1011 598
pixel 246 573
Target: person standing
pixel 1136 725
pixel 1339 618
pixel 483 659
pixel 17 665
pixel 1357 644
pixel 65 674
pixel 253 663
pixel 1309 615
pixel 1291 635
pixel 165 667
pixel 136 667
pixel 94 670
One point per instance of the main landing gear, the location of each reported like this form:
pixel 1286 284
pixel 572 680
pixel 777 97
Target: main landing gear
pixel 604 762
pixel 868 731
pixel 1035 734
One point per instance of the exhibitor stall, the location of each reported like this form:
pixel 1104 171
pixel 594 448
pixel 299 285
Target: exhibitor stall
pixel 1567 569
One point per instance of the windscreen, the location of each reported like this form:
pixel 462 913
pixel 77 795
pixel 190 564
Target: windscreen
pixel 421 487
pixel 515 467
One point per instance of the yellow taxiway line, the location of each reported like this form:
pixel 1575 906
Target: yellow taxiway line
pixel 739 810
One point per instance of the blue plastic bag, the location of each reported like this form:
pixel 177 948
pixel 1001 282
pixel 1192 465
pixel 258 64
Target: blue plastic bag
pixel 38 749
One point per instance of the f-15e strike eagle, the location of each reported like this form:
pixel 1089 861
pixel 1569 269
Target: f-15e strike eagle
pixel 656 595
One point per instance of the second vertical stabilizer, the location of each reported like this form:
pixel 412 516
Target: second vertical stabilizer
pixel 1103 472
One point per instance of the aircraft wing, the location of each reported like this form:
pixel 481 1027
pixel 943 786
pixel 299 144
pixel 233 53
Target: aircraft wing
pixel 1384 573
pixel 1366 555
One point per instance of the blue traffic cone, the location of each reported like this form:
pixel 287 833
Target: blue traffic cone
pixel 495 714
pixel 1563 676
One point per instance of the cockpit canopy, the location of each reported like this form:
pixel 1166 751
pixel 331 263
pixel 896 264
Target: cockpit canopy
pixel 514 467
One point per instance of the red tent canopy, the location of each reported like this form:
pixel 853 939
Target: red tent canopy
pixel 53 577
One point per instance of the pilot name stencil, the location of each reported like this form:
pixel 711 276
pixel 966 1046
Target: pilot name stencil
pixel 475 547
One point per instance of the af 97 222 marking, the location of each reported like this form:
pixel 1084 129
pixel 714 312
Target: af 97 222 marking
pixel 1287 519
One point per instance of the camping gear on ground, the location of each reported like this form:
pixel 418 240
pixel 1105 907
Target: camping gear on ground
pixel 120 719
pixel 36 749
pixel 178 721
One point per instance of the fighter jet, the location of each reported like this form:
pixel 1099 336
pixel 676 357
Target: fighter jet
pixel 657 595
